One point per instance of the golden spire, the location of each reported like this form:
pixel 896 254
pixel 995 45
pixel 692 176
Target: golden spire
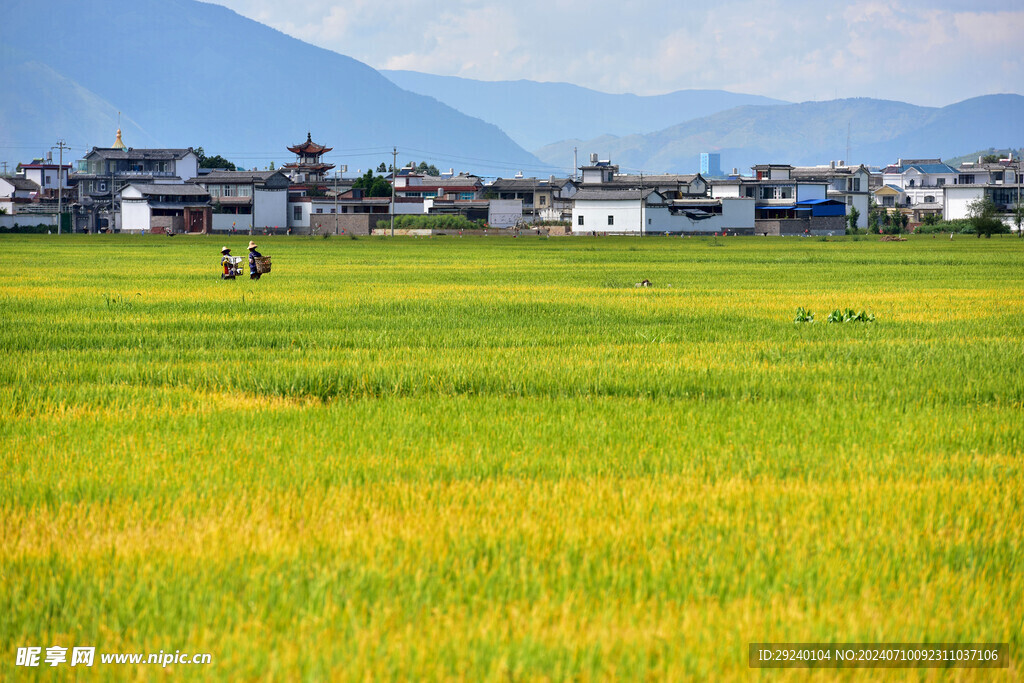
pixel 118 144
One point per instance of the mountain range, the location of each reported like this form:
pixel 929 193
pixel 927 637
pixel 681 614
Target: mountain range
pixel 862 130
pixel 180 73
pixel 535 114
pixel 187 73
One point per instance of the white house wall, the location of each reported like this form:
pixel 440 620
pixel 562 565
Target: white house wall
pixel 957 199
pixel 270 208
pixel 187 167
pixel 135 216
pixel 303 219
pixel 719 191
pixel 808 191
pixel 625 212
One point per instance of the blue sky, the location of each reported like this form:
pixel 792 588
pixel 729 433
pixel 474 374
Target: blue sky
pixel 929 53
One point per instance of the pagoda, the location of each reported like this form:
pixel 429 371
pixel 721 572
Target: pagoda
pixel 308 167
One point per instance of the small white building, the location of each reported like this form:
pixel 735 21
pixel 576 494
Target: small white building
pixel 165 207
pixel 15 191
pixel 618 212
pixel 47 175
pixel 1005 197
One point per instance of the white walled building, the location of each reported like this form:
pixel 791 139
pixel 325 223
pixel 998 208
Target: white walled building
pixel 47 175
pixel 957 199
pixel 921 181
pixel 178 208
pixel 733 215
pixel 247 199
pixel 619 212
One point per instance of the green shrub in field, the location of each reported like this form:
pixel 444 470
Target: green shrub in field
pixel 848 316
pixel 803 316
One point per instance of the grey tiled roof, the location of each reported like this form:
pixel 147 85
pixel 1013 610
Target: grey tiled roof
pixel 23 184
pixel 144 154
pixel 587 193
pixel 170 189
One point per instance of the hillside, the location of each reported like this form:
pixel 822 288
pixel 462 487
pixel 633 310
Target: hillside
pixel 880 131
pixel 185 73
pixel 534 113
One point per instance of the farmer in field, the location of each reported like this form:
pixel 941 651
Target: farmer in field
pixel 254 274
pixel 227 264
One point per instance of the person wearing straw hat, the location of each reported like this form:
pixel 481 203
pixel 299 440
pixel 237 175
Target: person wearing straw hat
pixel 228 264
pixel 254 274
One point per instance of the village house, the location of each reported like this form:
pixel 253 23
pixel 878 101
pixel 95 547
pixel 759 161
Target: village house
pixel 846 184
pixel 610 203
pixel 244 200
pixel 164 208
pixel 785 205
pixel 47 175
pixel 16 192
pixel 542 199
pixel 920 182
pixel 105 171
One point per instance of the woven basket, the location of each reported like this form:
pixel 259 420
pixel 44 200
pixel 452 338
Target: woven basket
pixel 263 265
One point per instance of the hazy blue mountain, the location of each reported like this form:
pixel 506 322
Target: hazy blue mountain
pixel 534 113
pixel 187 73
pixel 880 131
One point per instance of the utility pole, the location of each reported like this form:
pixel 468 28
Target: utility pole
pixel 394 181
pixel 4 164
pixel 574 164
pixel 336 201
pixel 60 184
pixel 641 203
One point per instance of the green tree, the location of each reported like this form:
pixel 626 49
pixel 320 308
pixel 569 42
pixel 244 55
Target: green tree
pixel 216 161
pixel 372 186
pixel 990 159
pixel 852 219
pixel 1018 217
pixel 382 168
pixel 982 214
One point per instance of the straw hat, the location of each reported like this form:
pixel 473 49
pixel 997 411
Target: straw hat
pixel 224 250
pixel 252 245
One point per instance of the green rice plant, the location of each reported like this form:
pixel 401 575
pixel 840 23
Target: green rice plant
pixel 485 458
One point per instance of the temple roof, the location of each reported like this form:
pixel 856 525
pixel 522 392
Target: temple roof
pixel 309 147
pixel 118 143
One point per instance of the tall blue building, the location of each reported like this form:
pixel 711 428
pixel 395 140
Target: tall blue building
pixel 710 164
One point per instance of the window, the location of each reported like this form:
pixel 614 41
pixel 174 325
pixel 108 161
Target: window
pixel 319 210
pixel 543 200
pixel 465 195
pixel 967 179
pixel 929 199
pixel 939 182
pixel 297 213
pixel 997 177
pixel 214 190
pixel 888 201
pixel 48 180
pixel 611 220
pixel 244 191
pixel 579 219
pixel 230 190
pixel 856 184
pixel 911 183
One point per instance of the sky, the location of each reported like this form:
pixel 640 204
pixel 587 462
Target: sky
pixel 929 53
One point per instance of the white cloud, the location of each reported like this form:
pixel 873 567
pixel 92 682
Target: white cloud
pixel 927 53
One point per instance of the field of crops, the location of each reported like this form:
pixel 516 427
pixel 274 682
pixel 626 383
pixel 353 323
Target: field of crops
pixel 497 459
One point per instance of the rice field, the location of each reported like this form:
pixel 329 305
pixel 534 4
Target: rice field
pixel 497 459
